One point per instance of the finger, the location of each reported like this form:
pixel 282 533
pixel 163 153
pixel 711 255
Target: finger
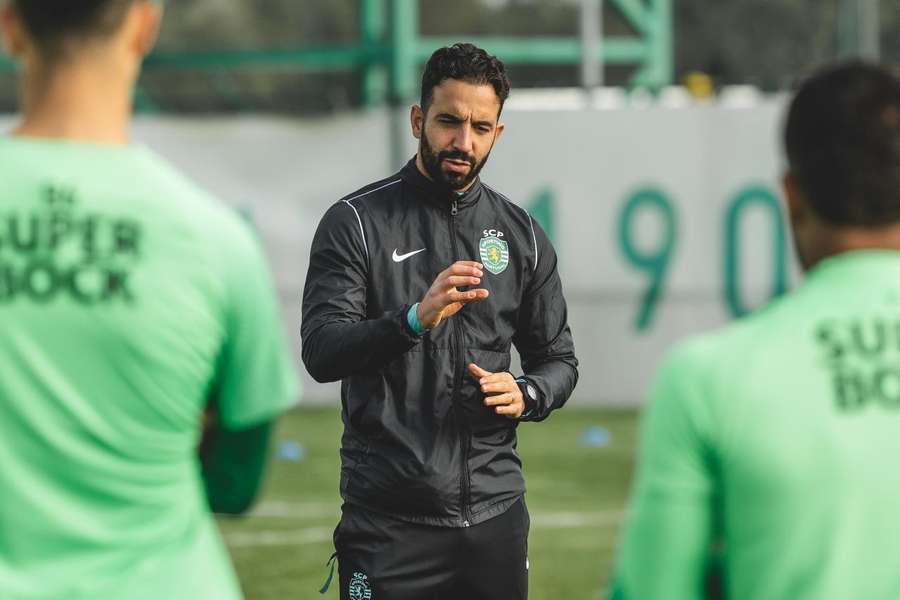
pixel 460 281
pixel 499 400
pixel 466 297
pixel 480 294
pixel 467 263
pixel 513 411
pixel 499 377
pixel 498 387
pixel 478 372
pixel 470 270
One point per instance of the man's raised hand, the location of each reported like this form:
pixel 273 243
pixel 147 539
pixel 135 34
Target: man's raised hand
pixel 443 299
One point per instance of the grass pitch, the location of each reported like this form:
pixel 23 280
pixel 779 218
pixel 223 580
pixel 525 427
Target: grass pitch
pixel 576 496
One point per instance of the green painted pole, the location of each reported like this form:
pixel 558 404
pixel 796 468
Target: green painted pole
pixel 666 43
pixel 657 70
pixel 404 32
pixel 309 57
pixel 543 50
pixel 372 27
pixel 404 35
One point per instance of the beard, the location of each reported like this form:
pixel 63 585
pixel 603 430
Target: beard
pixel 452 181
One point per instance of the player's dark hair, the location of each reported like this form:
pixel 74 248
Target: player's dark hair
pixel 52 22
pixel 842 139
pixel 464 62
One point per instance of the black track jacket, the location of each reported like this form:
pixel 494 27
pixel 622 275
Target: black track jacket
pixel 418 442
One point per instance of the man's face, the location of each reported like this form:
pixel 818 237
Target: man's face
pixel 457 132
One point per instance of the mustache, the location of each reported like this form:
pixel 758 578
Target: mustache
pixel 456 155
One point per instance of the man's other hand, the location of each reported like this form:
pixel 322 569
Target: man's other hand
pixel 501 391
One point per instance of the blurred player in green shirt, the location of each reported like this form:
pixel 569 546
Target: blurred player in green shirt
pixel 131 304
pixel 775 441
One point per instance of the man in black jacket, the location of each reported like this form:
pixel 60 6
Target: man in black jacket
pixel 418 285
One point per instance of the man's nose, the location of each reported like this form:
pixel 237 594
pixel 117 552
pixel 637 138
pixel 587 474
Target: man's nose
pixel 463 139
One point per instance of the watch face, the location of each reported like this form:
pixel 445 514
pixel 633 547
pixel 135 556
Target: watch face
pixel 532 393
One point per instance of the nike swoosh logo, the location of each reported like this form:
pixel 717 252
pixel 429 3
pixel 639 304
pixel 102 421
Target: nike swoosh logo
pixel 401 257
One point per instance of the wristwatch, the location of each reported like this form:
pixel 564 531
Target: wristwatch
pixel 529 395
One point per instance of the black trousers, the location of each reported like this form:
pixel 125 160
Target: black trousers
pixel 381 558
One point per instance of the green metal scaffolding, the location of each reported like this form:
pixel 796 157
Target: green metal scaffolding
pixel 650 51
pixel 390 50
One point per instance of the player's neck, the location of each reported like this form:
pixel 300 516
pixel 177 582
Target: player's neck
pixel 79 101
pixel 852 239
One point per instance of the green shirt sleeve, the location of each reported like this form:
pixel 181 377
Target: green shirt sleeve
pixel 256 379
pixel 666 547
pixel 233 465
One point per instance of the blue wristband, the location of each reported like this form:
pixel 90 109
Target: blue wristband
pixel 412 318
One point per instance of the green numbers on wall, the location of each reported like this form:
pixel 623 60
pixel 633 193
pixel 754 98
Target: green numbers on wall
pixel 746 198
pixel 654 257
pixel 653 262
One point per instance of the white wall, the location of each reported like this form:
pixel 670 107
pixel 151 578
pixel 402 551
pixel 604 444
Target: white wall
pixel 287 172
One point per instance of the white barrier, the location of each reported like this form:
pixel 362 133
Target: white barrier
pixel 666 220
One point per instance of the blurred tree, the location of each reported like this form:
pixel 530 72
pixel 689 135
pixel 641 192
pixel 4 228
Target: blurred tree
pixel 200 24
pixel 759 42
pixel 192 25
pixel 767 43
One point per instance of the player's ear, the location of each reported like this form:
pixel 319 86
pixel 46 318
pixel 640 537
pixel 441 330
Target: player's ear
pixel 143 23
pixel 14 38
pixel 498 131
pixel 416 120
pixel 797 206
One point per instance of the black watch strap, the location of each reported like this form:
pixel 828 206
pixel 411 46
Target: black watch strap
pixel 529 395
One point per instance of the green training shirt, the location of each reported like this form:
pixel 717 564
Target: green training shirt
pixel 128 299
pixel 776 442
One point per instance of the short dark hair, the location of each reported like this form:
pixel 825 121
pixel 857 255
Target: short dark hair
pixel 51 22
pixel 842 139
pixel 464 62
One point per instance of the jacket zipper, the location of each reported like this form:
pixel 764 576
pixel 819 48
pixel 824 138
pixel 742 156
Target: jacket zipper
pixel 457 384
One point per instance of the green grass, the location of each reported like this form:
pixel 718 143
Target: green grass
pixel 576 496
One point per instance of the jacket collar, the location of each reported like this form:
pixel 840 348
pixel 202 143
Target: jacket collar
pixel 438 194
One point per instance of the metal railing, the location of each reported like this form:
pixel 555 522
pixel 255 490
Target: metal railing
pixel 390 50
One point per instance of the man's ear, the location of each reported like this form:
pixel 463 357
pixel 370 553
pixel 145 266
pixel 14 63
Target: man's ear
pixel 143 22
pixel 498 131
pixel 14 37
pixel 797 205
pixel 417 121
